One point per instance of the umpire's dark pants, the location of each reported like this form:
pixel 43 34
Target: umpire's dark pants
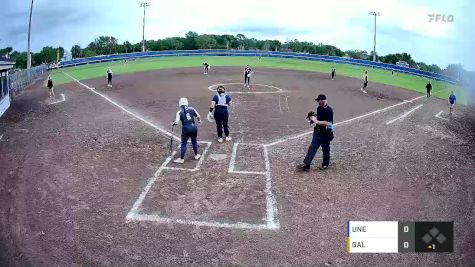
pixel 221 117
pixel 319 139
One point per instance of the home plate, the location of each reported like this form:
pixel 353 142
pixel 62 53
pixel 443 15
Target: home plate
pixel 218 157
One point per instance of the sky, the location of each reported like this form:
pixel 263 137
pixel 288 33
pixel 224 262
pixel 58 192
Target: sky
pixel 403 25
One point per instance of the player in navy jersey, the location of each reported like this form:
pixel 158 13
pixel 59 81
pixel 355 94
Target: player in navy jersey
pixel 206 67
pixel 247 76
pixel 365 82
pixel 220 104
pixel 186 115
pixel 109 77
pixel 333 73
pixel 452 100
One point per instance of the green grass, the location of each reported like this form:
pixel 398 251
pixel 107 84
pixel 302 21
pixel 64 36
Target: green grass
pixel 410 82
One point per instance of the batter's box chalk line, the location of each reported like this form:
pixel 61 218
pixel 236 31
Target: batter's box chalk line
pixel 277 90
pixel 272 223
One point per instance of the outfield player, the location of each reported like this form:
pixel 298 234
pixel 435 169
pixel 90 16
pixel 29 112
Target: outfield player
pixel 247 76
pixel 220 104
pixel 206 67
pixel 189 129
pixel 50 87
pixel 333 73
pixel 109 77
pixel 322 133
pixel 365 82
pixel 452 100
pixel 428 88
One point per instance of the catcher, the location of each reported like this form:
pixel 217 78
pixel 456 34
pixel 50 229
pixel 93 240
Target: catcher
pixel 219 104
pixel 322 133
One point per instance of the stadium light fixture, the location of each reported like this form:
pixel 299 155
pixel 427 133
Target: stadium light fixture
pixel 144 5
pixel 375 14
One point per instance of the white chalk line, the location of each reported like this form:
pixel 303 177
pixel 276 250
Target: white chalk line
pixel 167 133
pixel 280 107
pixel 63 98
pixel 136 207
pixel 404 115
pixel 285 139
pixel 271 223
pixel 278 90
pixel 438 116
pixel 232 161
pixel 237 225
pixel 271 207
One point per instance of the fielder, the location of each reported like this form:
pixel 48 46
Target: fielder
pixel 428 88
pixel 206 68
pixel 247 76
pixel 50 87
pixel 220 104
pixel 109 77
pixel 452 100
pixel 333 73
pixel 189 129
pixel 365 82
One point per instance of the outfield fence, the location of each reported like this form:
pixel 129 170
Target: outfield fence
pixel 21 79
pixel 256 53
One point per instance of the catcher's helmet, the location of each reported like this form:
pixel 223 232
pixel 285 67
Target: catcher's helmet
pixel 221 89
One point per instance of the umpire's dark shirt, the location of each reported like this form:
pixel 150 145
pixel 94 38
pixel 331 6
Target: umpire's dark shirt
pixel 324 114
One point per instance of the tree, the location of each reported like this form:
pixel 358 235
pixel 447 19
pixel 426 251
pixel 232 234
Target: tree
pixel 190 40
pixel 206 42
pixel 358 54
pixel 6 51
pixel 19 58
pixel 87 52
pixel 76 51
pixel 127 47
pixel 61 52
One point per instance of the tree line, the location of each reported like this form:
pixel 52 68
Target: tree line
pixel 106 45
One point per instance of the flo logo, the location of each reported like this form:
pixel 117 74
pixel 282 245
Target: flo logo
pixel 441 18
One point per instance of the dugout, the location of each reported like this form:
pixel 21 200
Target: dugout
pixel 5 66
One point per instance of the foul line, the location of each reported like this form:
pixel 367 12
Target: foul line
pixel 438 116
pixel 343 122
pixel 404 115
pixel 167 133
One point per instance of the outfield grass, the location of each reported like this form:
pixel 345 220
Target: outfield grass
pixel 410 82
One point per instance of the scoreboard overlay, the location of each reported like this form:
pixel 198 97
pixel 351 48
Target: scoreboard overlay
pixel 395 237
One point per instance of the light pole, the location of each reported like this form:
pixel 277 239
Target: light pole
pixel 28 56
pixel 144 5
pixel 375 14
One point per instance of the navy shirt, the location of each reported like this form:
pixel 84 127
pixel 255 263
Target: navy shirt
pixel 452 99
pixel 186 116
pixel 324 114
pixel 222 101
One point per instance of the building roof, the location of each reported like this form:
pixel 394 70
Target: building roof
pixel 6 64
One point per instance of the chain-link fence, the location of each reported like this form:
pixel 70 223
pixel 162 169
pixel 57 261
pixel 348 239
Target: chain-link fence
pixel 20 79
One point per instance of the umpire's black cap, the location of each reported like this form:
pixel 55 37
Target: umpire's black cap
pixel 321 97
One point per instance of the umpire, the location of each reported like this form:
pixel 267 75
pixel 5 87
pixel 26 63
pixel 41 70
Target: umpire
pixel 322 133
